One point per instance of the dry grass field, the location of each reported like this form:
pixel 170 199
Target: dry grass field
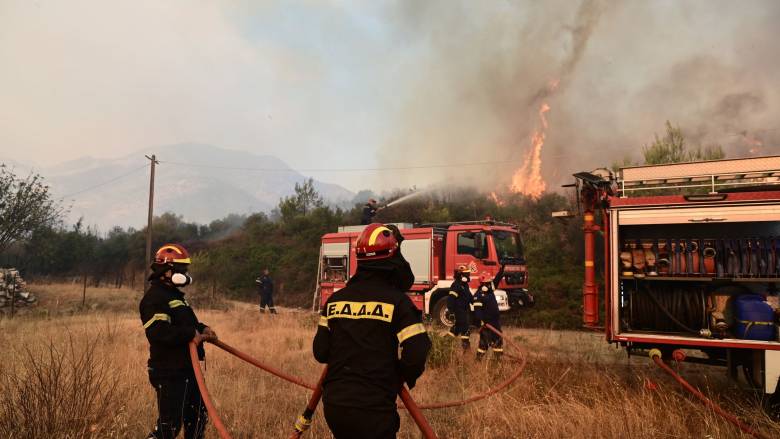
pixel 75 372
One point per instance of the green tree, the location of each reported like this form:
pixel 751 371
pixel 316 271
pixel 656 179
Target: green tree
pixel 25 206
pixel 305 199
pixel 671 148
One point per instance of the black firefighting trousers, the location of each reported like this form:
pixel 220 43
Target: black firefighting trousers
pixel 356 423
pixel 489 339
pixel 178 402
pixel 267 299
pixel 460 329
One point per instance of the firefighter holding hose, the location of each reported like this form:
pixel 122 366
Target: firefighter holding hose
pixel 170 325
pixel 360 331
pixel 486 311
pixel 369 211
pixel 459 303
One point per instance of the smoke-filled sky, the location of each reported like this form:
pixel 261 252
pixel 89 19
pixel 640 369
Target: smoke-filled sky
pixel 340 84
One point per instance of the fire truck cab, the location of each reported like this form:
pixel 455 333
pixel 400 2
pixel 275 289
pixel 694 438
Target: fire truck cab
pixel 691 262
pixel 434 251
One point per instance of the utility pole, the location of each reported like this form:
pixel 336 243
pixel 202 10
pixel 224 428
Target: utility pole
pixel 154 162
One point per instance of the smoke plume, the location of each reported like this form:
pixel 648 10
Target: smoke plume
pixel 612 73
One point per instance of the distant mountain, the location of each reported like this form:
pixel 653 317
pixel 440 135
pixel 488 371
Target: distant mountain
pixel 200 182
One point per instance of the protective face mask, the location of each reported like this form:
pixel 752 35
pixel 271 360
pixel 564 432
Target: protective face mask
pixel 464 279
pixel 181 279
pixel 484 289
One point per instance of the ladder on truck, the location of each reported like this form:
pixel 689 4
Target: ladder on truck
pixel 712 174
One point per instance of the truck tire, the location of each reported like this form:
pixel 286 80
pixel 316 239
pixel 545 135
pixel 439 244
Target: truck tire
pixel 440 315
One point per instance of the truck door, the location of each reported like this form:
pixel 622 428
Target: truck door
pixel 471 248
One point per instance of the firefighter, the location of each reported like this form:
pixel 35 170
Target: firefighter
pixel 265 286
pixel 486 311
pixel 170 325
pixel 459 303
pixel 369 211
pixel 360 331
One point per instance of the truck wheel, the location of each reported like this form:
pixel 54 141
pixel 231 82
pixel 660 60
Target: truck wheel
pixel 441 316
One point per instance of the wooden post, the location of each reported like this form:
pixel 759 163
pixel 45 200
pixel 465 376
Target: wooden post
pixel 147 269
pixel 84 292
pixel 13 296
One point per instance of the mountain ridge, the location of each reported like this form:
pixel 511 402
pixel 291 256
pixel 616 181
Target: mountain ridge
pixel 199 181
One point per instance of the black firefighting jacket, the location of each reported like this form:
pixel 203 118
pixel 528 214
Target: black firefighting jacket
pixel 368 214
pixel 459 297
pixel 486 307
pixel 360 330
pixel 265 284
pixel 485 304
pixel 170 324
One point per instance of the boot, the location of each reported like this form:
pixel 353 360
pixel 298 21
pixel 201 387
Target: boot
pixel 480 354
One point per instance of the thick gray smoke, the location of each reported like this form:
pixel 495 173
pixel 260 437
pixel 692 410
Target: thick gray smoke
pixel 474 76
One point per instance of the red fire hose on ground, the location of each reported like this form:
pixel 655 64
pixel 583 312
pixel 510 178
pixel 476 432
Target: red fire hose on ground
pixel 655 355
pixel 304 421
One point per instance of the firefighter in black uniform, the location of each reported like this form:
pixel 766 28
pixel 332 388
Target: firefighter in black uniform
pixel 170 325
pixel 369 210
pixel 359 334
pixel 486 311
pixel 459 303
pixel 266 286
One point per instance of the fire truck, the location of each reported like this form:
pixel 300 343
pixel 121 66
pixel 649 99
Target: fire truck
pixel 434 251
pixel 691 255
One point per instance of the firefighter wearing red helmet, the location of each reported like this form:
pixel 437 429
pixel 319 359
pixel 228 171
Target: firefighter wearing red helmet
pixel 459 302
pixel 360 331
pixel 170 324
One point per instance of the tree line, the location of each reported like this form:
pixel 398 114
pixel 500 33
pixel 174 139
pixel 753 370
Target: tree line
pixel 229 253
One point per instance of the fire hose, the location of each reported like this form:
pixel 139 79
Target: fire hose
pixel 304 421
pixel 655 355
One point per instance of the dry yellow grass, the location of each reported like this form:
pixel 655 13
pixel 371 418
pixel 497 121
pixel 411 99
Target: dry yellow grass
pixel 575 385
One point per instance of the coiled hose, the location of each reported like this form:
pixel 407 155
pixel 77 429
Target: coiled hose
pixel 676 306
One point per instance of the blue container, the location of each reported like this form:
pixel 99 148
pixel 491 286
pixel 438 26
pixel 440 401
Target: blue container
pixel 755 318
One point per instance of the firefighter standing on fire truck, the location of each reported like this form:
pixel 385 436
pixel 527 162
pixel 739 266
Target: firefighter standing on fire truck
pixel 359 334
pixel 369 211
pixel 170 325
pixel 459 303
pixel 486 311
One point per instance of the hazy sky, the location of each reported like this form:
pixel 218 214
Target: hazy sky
pixel 340 84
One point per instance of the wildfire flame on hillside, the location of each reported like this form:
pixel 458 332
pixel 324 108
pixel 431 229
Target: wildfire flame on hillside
pixel 499 202
pixel 752 142
pixel 528 179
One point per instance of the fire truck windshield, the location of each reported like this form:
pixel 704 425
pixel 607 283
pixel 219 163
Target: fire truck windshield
pixel 509 247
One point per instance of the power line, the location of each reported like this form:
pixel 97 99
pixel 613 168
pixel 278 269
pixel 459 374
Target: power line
pixel 389 168
pixel 105 182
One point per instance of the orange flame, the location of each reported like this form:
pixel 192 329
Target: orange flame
pixel 499 202
pixel 752 142
pixel 528 179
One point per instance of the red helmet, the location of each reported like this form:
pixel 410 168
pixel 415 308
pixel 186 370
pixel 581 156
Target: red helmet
pixel 172 254
pixel 485 277
pixel 376 241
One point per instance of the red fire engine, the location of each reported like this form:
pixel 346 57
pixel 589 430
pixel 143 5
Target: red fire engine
pixel 691 261
pixel 434 251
